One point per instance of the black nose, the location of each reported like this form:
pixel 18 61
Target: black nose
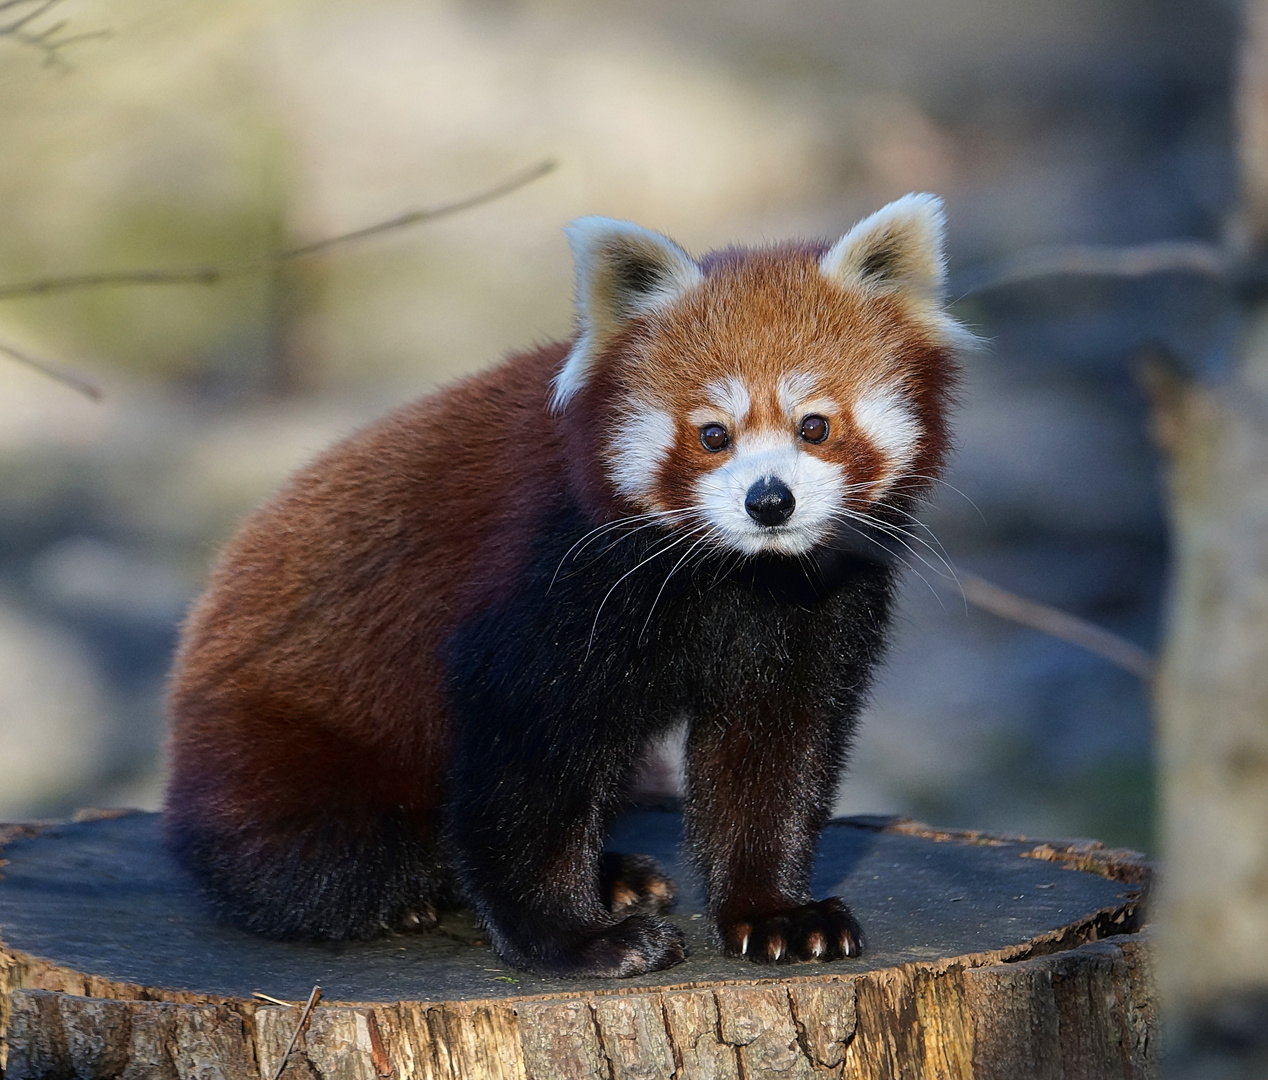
pixel 769 502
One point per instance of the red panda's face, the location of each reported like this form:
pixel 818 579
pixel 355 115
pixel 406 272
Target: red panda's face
pixel 769 407
pixel 765 400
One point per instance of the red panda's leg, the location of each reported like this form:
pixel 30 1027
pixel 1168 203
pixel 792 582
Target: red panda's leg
pixel 296 834
pixel 528 815
pixel 760 790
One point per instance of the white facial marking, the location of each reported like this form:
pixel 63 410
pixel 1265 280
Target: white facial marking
pixel 710 414
pixel 794 389
pixel 731 396
pixel 887 419
pixel 816 486
pixel 639 446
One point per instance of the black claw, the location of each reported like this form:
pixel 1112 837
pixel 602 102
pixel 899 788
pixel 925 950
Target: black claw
pixel 636 885
pixel 423 917
pixel 821 930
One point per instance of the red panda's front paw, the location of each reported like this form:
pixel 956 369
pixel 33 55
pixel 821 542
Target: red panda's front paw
pixel 820 930
pixel 634 946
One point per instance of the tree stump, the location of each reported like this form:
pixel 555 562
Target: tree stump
pixel 987 957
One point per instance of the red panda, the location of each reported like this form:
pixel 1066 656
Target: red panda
pixel 423 673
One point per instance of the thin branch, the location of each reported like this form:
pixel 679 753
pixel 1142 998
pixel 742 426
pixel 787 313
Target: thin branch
pixel 303 1019
pixel 46 40
pixel 1059 624
pixel 60 372
pixel 12 28
pixel 1138 260
pixel 212 273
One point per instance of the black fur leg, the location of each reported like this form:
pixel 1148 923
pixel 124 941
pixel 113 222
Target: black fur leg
pixel 821 930
pixel 555 705
pixel 635 885
pixel 331 881
pixel 550 900
pixel 556 693
pixel 763 758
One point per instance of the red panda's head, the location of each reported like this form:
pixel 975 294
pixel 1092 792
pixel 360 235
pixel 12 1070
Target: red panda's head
pixel 765 397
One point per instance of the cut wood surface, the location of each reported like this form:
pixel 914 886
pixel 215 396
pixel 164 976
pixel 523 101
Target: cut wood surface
pixel 987 956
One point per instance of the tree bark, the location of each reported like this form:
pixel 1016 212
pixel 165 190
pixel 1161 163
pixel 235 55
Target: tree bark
pixel 1212 686
pixel 1068 995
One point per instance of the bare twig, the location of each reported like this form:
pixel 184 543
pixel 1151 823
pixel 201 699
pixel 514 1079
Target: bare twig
pixel 13 28
pixel 1139 260
pixel 47 40
pixel 62 374
pixel 303 1019
pixel 1059 624
pixel 212 273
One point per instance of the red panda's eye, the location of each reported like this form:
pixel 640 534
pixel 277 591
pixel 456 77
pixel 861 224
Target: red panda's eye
pixel 714 437
pixel 814 428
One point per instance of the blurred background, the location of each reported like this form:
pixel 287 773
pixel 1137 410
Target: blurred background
pixel 149 134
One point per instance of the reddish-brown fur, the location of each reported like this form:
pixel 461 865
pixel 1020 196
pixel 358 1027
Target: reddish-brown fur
pixel 333 600
pixel 312 674
pixel 383 544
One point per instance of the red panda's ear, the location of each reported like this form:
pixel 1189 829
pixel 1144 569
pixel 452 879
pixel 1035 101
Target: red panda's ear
pixel 623 270
pixel 898 250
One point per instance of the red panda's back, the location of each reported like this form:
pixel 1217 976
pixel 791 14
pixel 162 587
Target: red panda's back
pixel 309 668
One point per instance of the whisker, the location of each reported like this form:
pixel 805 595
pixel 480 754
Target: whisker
pixel 725 565
pixel 945 484
pixel 683 558
pixel 848 522
pixel 904 534
pixel 637 529
pixel 915 522
pixel 934 545
pixel 599 530
pixel 864 534
pixel 673 543
pixel 903 537
pixel 937 549
pixel 650 518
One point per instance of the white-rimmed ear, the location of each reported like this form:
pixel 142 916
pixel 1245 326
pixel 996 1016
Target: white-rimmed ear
pixel 623 270
pixel 898 251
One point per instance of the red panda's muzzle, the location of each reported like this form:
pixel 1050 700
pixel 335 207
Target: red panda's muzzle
pixel 769 502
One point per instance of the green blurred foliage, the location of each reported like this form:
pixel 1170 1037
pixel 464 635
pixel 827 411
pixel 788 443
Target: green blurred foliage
pixel 154 148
